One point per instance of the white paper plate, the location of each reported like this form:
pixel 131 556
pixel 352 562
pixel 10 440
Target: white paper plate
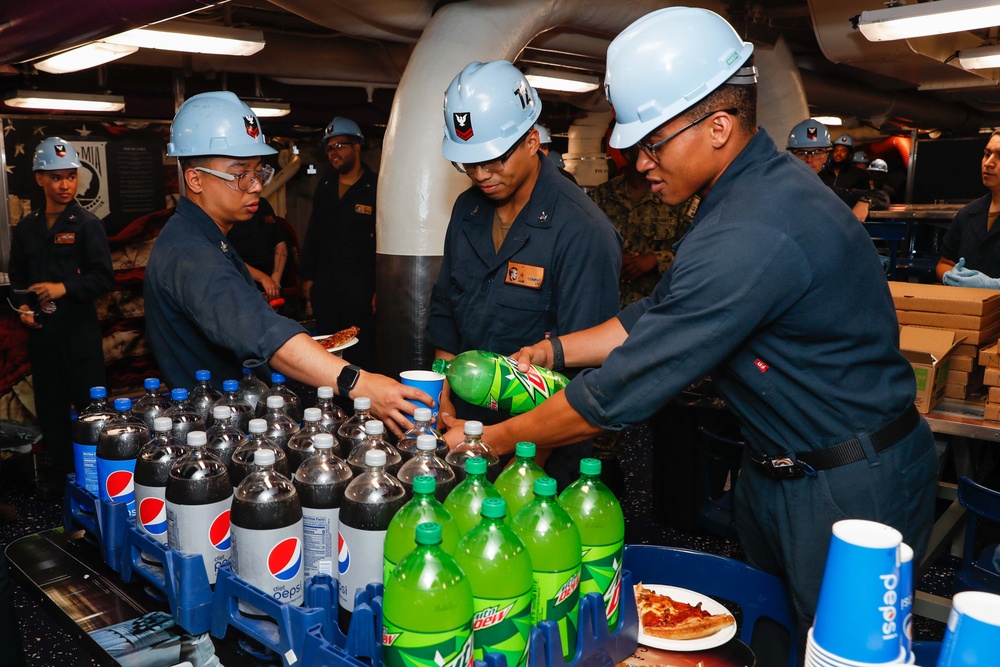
pixel 690 597
pixel 339 348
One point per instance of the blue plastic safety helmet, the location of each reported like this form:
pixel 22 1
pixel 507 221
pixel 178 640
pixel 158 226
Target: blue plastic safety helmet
pixel 879 165
pixel 860 157
pixel 55 153
pixel 665 63
pixel 216 123
pixel 543 134
pixel 845 140
pixel 487 108
pixel 341 126
pixel 810 133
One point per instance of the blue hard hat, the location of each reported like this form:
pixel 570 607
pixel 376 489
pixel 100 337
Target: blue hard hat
pixel 342 126
pixel 665 63
pixel 55 153
pixel 879 165
pixel 845 140
pixel 810 133
pixel 544 137
pixel 487 108
pixel 216 123
pixel 860 157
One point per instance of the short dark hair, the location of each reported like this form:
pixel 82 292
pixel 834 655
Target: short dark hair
pixel 195 161
pixel 743 98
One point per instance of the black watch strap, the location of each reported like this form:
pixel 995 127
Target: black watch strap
pixel 558 360
pixel 348 379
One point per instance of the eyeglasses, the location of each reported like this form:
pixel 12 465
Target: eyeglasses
pixel 489 166
pixel 810 152
pixel 339 145
pixel 262 176
pixel 652 149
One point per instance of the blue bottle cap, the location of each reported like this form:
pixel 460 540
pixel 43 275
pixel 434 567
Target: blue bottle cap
pixel 151 383
pixel 123 404
pixel 277 378
pixel 247 371
pixel 179 394
pixel 98 392
pixel 201 376
pixel 230 385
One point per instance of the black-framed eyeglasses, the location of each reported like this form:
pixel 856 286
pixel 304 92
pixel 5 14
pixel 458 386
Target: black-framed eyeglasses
pixel 810 152
pixel 244 180
pixel 339 145
pixel 652 149
pixel 490 166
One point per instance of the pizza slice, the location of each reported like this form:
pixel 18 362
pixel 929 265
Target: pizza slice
pixel 340 338
pixel 662 616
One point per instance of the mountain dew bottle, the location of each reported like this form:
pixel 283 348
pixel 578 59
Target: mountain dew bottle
pixel 427 608
pixel 554 546
pixel 464 501
pixel 493 381
pixel 598 516
pixel 498 566
pixel 517 482
pixel 423 507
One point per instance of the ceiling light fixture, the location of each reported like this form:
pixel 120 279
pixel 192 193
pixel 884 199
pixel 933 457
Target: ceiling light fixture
pixel 84 57
pixel 983 57
pixel 36 99
pixel 268 108
pixel 928 18
pixel 829 120
pixel 193 38
pixel 561 80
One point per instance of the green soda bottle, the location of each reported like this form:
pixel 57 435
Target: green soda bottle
pixel 423 507
pixel 493 381
pixel 598 516
pixel 517 482
pixel 554 545
pixel 427 608
pixel 464 501
pixel 498 566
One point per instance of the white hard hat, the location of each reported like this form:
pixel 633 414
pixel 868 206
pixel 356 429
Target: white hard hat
pixel 216 123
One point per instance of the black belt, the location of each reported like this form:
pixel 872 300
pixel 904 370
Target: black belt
pixel 791 466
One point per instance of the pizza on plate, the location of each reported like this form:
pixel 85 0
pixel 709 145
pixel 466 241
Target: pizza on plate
pixel 662 616
pixel 340 338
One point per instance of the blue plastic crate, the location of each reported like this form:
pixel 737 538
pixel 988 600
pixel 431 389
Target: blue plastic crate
pixel 106 520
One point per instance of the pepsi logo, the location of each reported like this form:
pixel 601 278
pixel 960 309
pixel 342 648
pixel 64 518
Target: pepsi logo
pixel 119 485
pixel 285 559
pixel 343 555
pixel 153 515
pixel 218 532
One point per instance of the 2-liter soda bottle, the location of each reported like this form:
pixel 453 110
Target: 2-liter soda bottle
pixel 470 448
pixel 86 431
pixel 427 608
pixel 351 432
pixel 203 395
pixel 280 426
pixel 493 381
pixel 374 440
pixel 333 416
pixel 426 462
pixel 242 412
pixel 184 418
pixel 119 442
pixel 251 389
pixel 292 405
pixel 517 482
pixel 466 499
pixel 553 542
pixel 243 461
pixel 407 445
pixel 300 445
pixel 422 508
pixel 598 517
pixel 498 566
pixel 321 481
pixel 152 470
pixel 152 404
pixel 224 437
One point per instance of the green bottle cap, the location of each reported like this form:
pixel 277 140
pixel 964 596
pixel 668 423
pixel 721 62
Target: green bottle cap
pixel 590 467
pixel 545 486
pixel 475 466
pixel 424 484
pixel 428 533
pixel 494 508
pixel 524 449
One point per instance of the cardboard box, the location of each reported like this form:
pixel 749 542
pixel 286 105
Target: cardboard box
pixel 991 377
pixel 974 336
pixel 990 356
pixel 928 351
pixel 946 321
pixel 944 299
pixel 966 350
pixel 959 363
pixel 960 391
pixel 994 395
pixel 992 412
pixel 957 377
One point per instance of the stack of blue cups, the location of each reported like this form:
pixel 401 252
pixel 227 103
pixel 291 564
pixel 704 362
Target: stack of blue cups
pixel 973 634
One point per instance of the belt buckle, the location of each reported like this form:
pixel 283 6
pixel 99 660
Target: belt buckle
pixel 780 467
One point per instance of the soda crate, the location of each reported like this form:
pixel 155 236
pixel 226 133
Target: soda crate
pixel 107 521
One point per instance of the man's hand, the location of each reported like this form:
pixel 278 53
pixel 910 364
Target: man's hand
pixel 306 288
pixel 28 318
pixel 445 403
pixel 959 276
pixel 391 400
pixel 455 432
pixel 636 265
pixel 861 211
pixel 48 291
pixel 271 288
pixel 539 354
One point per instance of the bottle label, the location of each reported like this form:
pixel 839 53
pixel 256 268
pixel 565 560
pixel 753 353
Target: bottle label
pixel 404 648
pixel 602 573
pixel 360 556
pixel 85 465
pixel 115 482
pixel 503 626
pixel 271 560
pixel 151 511
pixel 319 533
pixel 202 530
pixel 556 597
pixel 515 392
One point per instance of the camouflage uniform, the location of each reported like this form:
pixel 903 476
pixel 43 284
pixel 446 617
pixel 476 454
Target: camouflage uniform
pixel 649 226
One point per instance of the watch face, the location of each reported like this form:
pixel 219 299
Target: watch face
pixel 349 377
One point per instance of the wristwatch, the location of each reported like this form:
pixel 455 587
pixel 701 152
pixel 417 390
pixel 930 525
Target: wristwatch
pixel 348 379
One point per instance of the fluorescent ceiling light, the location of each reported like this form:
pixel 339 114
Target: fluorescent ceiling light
pixel 193 38
pixel 266 109
pixel 928 18
pixel 567 82
pixel 829 120
pixel 36 99
pixel 84 57
pixel 983 57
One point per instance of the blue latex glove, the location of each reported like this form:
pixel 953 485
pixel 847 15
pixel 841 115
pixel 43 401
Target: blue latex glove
pixel 959 276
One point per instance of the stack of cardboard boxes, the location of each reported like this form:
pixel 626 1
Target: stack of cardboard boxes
pixel 989 359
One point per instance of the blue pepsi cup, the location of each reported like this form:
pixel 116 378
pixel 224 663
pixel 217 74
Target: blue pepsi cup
pixel 428 382
pixel 973 634
pixel 857 616
pixel 906 596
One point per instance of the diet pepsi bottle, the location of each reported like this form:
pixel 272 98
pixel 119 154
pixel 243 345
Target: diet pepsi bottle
pixel 117 446
pixel 421 426
pixel 224 437
pixel 291 406
pixel 184 418
pixel 242 412
pixel 203 396
pixel 321 481
pixel 374 440
pixel 251 389
pixel 199 497
pixel 152 469
pixel 352 432
pixel 244 462
pixel 370 501
pixel 300 445
pixel 152 404
pixel 86 431
pixel 267 534
pixel 333 416
pixel 427 463
pixel 280 427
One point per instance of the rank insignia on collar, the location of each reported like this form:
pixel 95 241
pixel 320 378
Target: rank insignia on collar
pixel 225 248
pixel 543 216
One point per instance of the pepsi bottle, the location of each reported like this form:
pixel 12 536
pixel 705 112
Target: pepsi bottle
pixel 280 427
pixel 267 534
pixel 183 417
pixel 152 469
pixel 86 431
pixel 370 501
pixel 291 405
pixel 374 440
pixel 203 396
pixel 199 497
pixel 223 436
pixel 300 445
pixel 352 432
pixel 428 464
pixel 242 412
pixel 421 426
pixel 333 416
pixel 251 389
pixel 152 404
pixel 244 457
pixel 321 481
pixel 473 447
pixel 117 446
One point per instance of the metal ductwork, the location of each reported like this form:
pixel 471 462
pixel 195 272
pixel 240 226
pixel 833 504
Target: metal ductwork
pixel 391 20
